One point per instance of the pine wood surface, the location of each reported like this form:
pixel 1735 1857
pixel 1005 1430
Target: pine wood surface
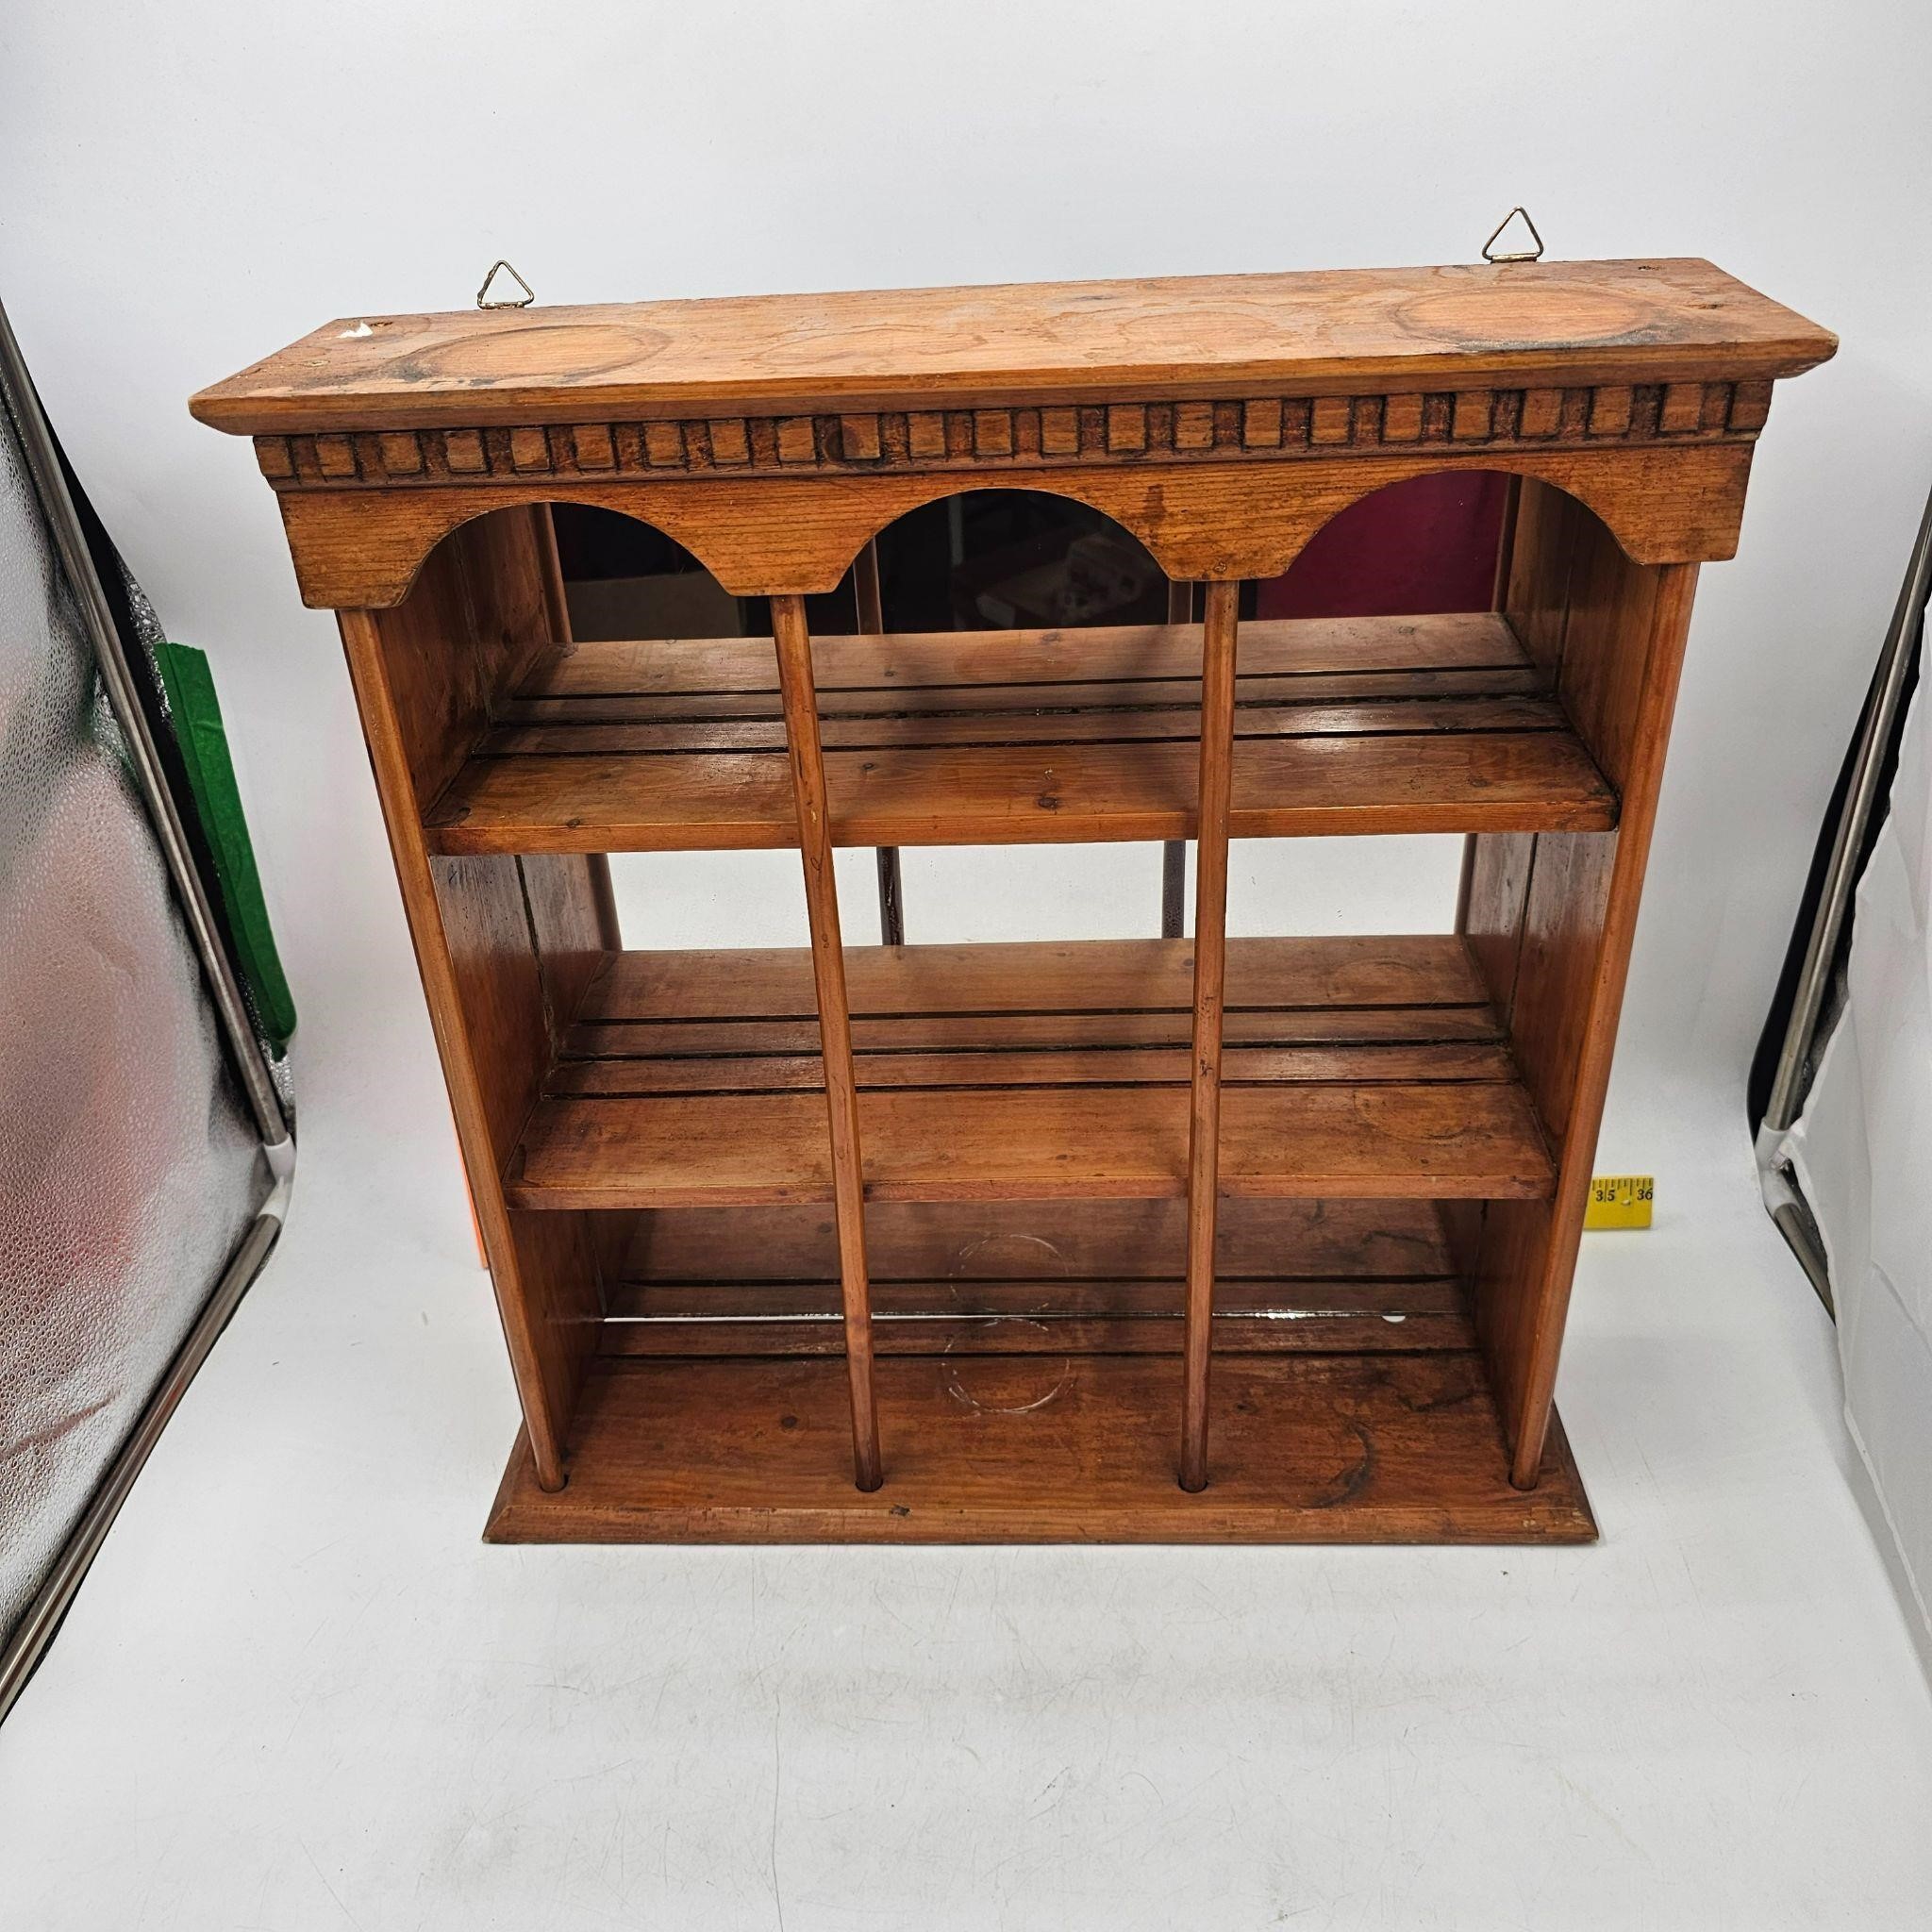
pixel 1213 518
pixel 792 644
pixel 1181 336
pixel 1550 921
pixel 1309 976
pixel 1440 724
pixel 1219 624
pixel 501 943
pixel 1388 1448
pixel 1098 1277
pixel 1377 1077
pixel 1469 1139
pixel 929 1240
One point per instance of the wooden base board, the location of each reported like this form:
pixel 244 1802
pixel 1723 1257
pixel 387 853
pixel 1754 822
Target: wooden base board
pixel 1314 1449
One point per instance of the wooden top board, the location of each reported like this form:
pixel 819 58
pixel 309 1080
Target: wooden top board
pixel 1052 342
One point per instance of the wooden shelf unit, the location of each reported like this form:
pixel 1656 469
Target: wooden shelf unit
pixel 1187 1241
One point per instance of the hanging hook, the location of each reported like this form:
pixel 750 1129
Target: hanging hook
pixel 484 298
pixel 1535 254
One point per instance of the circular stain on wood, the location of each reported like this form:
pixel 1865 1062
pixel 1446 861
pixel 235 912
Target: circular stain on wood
pixel 1006 1363
pixel 1007 1384
pixel 531 349
pixel 1514 315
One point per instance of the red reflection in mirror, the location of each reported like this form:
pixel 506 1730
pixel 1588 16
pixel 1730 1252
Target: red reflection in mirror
pixel 1426 545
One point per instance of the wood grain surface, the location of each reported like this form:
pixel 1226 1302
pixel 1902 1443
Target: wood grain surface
pixel 1640 320
pixel 1115 1240
pixel 1094 1278
pixel 503 944
pixel 1387 1448
pixel 1432 723
pixel 1376 1075
pixel 1219 639
pixel 793 640
pixel 1551 920
pixel 1215 518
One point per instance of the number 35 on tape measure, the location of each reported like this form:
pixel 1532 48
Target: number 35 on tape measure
pixel 1619 1200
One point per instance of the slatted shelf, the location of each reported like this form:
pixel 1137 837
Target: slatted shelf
pixel 1342 725
pixel 1355 1067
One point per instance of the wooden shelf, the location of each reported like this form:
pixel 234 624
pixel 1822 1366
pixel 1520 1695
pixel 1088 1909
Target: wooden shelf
pixel 1055 341
pixel 939 1243
pixel 1357 1067
pixel 1364 724
pixel 1318 1448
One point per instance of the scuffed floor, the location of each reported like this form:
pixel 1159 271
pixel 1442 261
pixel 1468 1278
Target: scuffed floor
pixel 297 1690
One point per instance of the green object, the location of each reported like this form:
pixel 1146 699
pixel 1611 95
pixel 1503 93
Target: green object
pixel 204 741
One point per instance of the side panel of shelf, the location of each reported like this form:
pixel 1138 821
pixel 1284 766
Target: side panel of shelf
pixel 1549 918
pixel 506 946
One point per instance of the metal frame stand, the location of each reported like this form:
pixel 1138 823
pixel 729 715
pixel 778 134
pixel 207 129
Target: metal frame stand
pixel 1822 963
pixel 22 1650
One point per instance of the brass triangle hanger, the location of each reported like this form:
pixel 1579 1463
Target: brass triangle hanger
pixel 486 300
pixel 1491 253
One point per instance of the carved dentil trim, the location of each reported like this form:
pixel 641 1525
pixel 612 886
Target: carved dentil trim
pixel 1264 428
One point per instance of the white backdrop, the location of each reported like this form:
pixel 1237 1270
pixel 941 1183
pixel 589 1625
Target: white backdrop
pixel 1860 1151
pixel 326 1702
pixel 187 186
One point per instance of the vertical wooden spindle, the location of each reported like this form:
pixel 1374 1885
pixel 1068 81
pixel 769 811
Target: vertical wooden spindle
pixel 872 623
pixel 1174 854
pixel 1210 956
pixel 794 644
pixel 866 593
pixel 557 610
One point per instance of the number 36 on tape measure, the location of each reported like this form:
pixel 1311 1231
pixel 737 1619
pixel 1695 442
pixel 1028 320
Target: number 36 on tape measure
pixel 1619 1200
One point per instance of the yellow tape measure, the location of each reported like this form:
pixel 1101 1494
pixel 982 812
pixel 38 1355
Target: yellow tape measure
pixel 1619 1200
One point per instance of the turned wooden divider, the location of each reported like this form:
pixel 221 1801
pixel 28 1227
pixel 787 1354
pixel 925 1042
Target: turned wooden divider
pixel 792 641
pixel 1218 643
pixel 868 597
pixel 1173 854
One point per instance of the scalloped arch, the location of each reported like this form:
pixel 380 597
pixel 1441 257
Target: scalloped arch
pixel 359 547
pixel 1308 529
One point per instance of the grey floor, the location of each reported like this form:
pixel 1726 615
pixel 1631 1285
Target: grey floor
pixel 297 1690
